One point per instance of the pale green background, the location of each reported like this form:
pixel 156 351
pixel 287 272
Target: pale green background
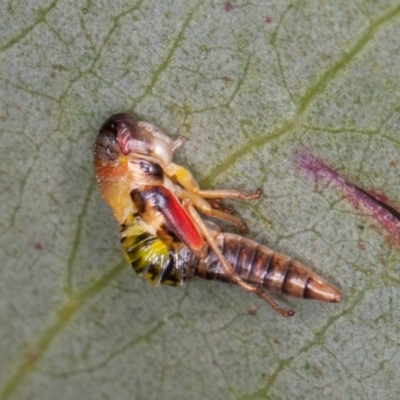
pixel 247 86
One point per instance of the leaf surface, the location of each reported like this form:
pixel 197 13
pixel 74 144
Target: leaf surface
pixel 250 85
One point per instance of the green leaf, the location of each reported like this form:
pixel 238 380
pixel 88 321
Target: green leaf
pixel 248 84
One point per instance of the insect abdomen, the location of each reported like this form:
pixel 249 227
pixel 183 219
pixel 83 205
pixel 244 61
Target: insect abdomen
pixel 255 264
pixel 262 267
pixel 150 257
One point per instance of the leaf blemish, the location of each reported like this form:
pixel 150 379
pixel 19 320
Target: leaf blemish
pixel 252 312
pixel 228 6
pixel 268 19
pixel 38 246
pixel 373 201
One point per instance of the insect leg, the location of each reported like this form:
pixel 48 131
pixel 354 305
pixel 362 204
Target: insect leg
pixel 229 194
pixel 228 267
pixel 275 306
pixel 215 203
pixel 185 178
pixel 206 208
pixel 178 143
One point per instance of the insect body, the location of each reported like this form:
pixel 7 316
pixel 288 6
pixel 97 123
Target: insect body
pixel 156 203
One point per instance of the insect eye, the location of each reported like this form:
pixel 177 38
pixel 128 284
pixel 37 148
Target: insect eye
pixel 123 129
pixel 118 123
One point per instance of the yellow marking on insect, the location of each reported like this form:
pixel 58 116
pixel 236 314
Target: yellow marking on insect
pixel 182 175
pixel 146 253
pixel 133 230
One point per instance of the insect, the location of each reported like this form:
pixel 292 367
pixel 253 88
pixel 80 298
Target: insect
pixel 157 203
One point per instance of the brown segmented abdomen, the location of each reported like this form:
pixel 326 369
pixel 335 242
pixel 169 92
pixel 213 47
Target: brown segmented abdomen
pixel 263 267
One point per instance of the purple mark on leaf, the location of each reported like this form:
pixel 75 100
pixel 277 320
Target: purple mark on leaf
pixel 373 201
pixel 228 6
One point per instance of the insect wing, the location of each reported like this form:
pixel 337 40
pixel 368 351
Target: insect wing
pixel 150 200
